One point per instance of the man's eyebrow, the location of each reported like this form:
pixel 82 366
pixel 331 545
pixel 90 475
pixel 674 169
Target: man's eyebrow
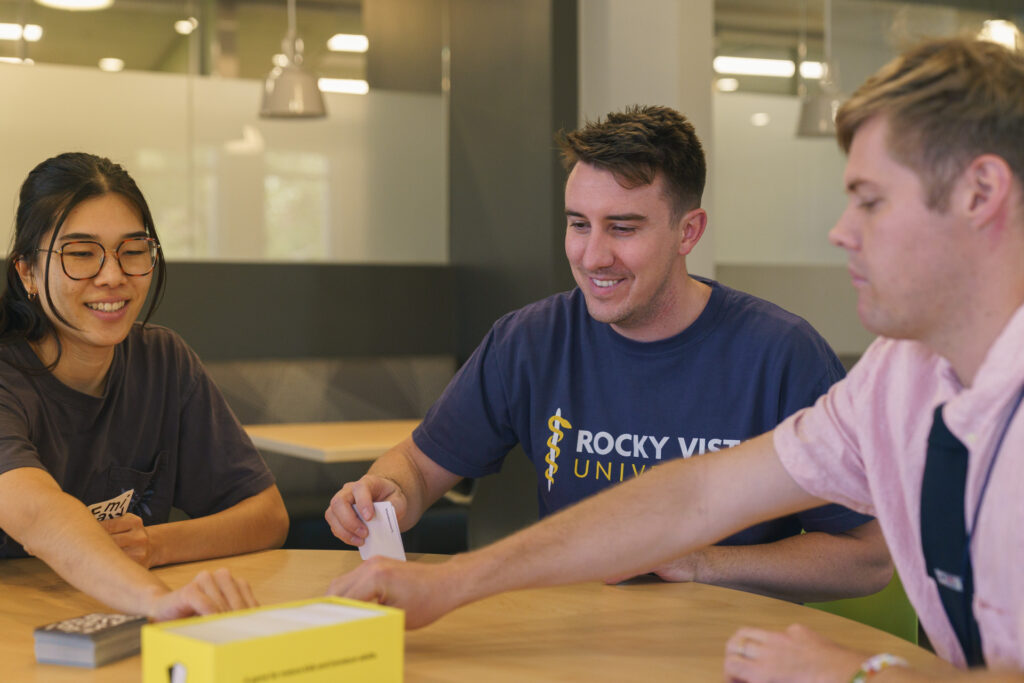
pixel 856 184
pixel 612 217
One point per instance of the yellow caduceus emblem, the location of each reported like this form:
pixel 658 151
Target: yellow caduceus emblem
pixel 555 424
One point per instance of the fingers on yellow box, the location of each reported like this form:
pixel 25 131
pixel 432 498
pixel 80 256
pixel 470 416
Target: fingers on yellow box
pixel 323 639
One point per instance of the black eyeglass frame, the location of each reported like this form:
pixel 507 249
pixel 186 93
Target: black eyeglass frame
pixel 154 248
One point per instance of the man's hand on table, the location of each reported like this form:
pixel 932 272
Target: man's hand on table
pixel 207 593
pixel 797 654
pixel 364 492
pixel 425 591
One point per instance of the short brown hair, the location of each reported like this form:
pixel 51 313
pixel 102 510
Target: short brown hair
pixel 946 101
pixel 637 144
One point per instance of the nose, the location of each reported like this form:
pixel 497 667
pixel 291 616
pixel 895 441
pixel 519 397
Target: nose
pixel 844 233
pixel 598 252
pixel 110 272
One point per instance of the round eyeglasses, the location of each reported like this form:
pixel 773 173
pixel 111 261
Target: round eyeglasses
pixel 84 259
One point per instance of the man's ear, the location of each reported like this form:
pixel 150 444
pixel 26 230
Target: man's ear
pixel 25 273
pixel 984 190
pixel 692 226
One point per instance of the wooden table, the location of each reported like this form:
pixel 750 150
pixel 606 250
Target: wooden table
pixel 332 441
pixel 585 632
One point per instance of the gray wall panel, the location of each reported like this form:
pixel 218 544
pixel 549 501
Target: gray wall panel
pixel 234 311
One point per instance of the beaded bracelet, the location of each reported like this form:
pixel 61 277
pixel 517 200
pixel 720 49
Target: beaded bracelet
pixel 873 665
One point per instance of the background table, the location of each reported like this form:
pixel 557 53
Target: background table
pixel 585 632
pixel 332 441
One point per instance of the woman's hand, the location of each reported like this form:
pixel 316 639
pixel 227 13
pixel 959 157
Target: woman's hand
pixel 132 537
pixel 207 593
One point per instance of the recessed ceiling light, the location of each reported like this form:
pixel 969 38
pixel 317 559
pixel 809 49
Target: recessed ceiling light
pixel 76 5
pixel 760 119
pixel 348 86
pixel 727 84
pixel 112 64
pixel 777 68
pixel 1000 31
pixel 30 32
pixel 186 26
pixel 348 42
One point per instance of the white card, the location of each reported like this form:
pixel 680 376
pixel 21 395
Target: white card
pixel 384 539
pixel 110 509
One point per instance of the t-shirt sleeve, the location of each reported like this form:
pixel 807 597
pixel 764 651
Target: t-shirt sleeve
pixel 218 466
pixel 468 430
pixel 819 448
pixel 803 392
pixel 16 449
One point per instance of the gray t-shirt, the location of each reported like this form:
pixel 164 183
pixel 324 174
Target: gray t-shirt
pixel 161 428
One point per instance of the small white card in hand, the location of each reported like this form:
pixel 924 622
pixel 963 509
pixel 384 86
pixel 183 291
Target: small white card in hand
pixel 113 508
pixel 384 539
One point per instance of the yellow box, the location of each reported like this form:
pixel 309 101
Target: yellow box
pixel 323 639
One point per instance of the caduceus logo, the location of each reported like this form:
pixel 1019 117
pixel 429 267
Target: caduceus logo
pixel 555 424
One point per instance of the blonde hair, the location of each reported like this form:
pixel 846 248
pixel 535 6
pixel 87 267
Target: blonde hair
pixel 946 101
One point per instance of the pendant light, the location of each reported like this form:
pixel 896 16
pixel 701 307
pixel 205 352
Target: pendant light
pixel 818 112
pixel 290 91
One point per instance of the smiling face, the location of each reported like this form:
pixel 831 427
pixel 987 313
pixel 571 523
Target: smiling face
pixel 101 309
pixel 627 253
pixel 905 259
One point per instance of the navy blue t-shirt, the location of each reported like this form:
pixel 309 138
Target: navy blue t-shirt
pixel 603 408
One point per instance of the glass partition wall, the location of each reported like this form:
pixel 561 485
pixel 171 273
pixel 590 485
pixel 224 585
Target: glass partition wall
pixel 171 89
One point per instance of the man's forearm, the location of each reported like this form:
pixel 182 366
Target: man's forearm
pixel 256 523
pixel 810 567
pixel 638 524
pixel 421 480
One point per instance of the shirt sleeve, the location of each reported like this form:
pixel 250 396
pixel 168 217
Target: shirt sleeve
pixel 16 448
pixel 798 394
pixel 218 466
pixel 819 446
pixel 468 431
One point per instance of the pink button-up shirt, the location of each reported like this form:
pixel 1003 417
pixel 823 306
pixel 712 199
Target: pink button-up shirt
pixel 864 444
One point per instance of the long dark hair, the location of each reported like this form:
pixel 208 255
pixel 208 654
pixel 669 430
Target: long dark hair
pixel 48 195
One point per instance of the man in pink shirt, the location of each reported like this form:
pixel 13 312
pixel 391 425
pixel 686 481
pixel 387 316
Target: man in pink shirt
pixel 925 432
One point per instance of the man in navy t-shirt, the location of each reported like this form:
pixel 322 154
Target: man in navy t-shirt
pixel 640 364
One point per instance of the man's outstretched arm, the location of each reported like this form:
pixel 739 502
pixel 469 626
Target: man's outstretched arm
pixel 676 508
pixel 804 568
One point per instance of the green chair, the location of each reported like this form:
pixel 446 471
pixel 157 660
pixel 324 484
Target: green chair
pixel 888 610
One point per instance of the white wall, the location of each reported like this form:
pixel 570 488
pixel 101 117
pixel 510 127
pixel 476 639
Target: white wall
pixel 368 184
pixel 652 52
pixel 778 195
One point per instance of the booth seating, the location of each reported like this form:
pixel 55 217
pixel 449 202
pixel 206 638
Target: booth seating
pixel 332 389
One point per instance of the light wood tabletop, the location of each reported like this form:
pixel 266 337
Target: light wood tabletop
pixel 586 632
pixel 356 441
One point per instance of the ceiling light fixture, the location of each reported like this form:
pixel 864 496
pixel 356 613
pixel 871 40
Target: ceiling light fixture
pixel 818 112
pixel 1000 31
pixel 111 64
pixel 29 32
pixel 348 86
pixel 186 26
pixel 348 42
pixel 77 5
pixel 727 84
pixel 772 68
pixel 290 91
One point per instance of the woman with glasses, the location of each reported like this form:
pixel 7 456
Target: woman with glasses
pixel 98 410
